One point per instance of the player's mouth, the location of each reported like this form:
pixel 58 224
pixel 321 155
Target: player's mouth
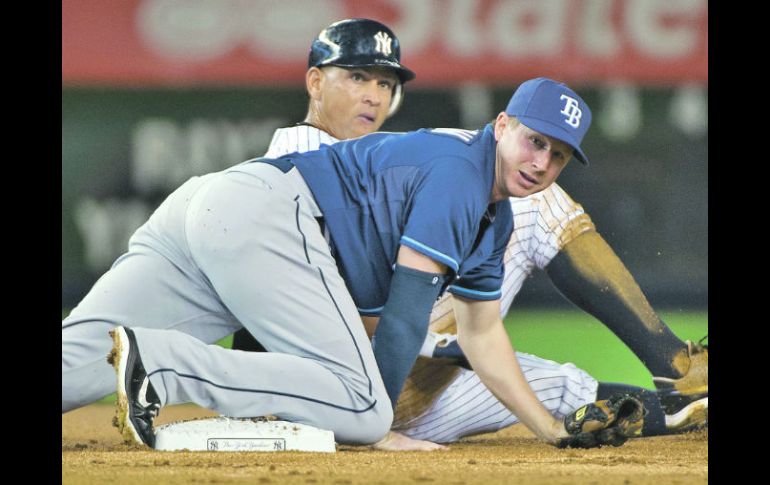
pixel 366 118
pixel 526 180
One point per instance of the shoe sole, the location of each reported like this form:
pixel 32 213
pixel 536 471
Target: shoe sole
pixel 119 359
pixel 691 416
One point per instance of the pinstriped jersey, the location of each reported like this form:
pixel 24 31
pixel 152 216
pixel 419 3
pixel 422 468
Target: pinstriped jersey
pixel 300 138
pixel 428 190
pixel 543 222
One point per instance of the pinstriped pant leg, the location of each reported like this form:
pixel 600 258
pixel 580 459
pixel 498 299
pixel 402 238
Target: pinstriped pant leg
pixel 466 407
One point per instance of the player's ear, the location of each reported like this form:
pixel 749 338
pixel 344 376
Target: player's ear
pixel 500 123
pixel 314 79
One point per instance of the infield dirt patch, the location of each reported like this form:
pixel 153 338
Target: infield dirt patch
pixel 92 453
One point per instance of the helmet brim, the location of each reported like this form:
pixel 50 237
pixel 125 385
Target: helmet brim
pixel 402 72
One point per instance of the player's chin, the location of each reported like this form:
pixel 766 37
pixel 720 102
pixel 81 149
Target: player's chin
pixel 364 126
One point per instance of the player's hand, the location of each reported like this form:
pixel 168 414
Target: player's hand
pixel 395 441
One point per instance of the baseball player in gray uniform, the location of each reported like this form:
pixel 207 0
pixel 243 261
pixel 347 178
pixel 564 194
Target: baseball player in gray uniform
pixel 443 401
pixel 347 101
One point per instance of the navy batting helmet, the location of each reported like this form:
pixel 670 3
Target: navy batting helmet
pixel 360 43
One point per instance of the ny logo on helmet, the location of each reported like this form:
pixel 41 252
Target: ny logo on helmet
pixel 572 111
pixel 383 43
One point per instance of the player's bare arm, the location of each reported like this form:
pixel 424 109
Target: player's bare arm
pixel 485 342
pixel 412 259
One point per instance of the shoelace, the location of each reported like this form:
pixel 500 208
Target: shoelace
pixel 700 342
pixel 153 410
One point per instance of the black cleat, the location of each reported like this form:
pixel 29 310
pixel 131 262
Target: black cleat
pixel 686 413
pixel 138 403
pixel 685 400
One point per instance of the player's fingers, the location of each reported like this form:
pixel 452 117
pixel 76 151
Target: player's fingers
pixel 395 441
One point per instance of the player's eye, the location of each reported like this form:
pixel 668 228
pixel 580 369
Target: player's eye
pixel 385 84
pixel 357 76
pixel 538 142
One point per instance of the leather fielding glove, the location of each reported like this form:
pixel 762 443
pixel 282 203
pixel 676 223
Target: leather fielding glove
pixel 608 422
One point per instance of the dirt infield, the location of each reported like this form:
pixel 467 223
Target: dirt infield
pixel 92 453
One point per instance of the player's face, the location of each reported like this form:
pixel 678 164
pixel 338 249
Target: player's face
pixel 526 161
pixel 354 102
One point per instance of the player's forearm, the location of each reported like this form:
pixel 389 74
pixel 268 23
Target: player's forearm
pixel 589 273
pixel 494 360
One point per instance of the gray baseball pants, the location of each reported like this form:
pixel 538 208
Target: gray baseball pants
pixel 236 248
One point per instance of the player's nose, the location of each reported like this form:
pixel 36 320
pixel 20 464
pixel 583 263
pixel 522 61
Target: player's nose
pixel 542 160
pixel 372 93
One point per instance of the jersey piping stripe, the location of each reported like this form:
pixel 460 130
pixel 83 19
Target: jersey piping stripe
pixel 432 253
pixel 304 240
pixel 370 310
pixel 358 350
pixel 331 296
pixel 487 295
pixel 262 391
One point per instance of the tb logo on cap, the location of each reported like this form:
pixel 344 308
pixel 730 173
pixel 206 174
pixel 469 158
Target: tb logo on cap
pixel 572 111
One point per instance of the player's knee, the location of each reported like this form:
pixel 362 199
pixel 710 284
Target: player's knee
pixel 378 423
pixel 382 421
pixel 369 427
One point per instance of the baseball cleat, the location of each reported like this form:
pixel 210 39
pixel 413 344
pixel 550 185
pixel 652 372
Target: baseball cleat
pixel 137 402
pixel 692 416
pixel 693 385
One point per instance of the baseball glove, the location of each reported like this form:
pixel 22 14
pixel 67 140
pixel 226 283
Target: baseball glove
pixel 608 422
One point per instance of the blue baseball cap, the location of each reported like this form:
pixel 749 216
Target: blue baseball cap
pixel 553 109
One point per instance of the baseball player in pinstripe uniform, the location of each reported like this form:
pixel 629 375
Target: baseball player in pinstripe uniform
pixel 443 401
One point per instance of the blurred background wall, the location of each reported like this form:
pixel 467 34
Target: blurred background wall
pixel 156 91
